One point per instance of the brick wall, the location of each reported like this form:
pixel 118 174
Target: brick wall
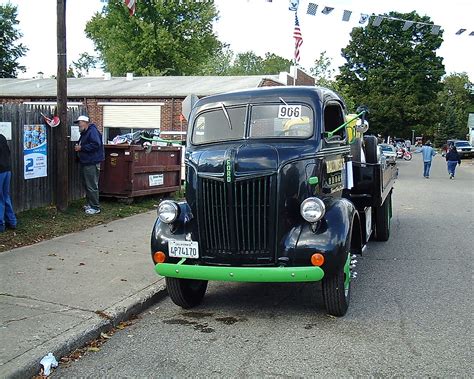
pixel 269 83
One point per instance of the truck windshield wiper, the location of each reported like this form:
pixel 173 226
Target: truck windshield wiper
pixel 224 109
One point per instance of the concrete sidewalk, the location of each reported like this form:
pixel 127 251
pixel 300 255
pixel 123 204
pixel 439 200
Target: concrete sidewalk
pixel 50 292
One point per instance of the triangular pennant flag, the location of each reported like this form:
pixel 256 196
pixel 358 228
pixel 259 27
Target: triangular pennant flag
pixel 471 34
pixel 407 25
pixel 460 31
pixel 363 18
pixel 312 8
pixel 294 4
pixel 327 10
pixel 346 15
pixel 435 29
pixel 377 21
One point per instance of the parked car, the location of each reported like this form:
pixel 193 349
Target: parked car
pixel 389 152
pixel 464 148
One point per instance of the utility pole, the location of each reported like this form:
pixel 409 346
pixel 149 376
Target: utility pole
pixel 61 132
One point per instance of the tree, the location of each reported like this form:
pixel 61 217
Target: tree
pixel 396 73
pixel 10 50
pixel 453 104
pixel 247 63
pixel 219 64
pixel 162 38
pixel 225 62
pixel 322 70
pixel 84 64
pixel 274 64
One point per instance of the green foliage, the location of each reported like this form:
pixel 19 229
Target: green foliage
pixel 225 62
pixel 219 64
pixel 454 102
pixel 247 63
pixel 162 38
pixel 84 64
pixel 274 64
pixel 322 70
pixel 10 51
pixel 396 73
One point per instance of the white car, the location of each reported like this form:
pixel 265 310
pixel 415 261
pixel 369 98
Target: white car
pixel 389 152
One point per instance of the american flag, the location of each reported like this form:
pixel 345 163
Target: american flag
pixel 298 38
pixel 131 6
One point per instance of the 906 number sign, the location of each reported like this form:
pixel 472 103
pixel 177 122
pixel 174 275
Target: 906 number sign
pixel 289 111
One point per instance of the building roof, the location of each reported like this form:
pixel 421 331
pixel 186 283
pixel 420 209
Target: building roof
pixel 148 86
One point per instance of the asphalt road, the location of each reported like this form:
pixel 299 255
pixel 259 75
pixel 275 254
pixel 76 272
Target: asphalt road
pixel 410 314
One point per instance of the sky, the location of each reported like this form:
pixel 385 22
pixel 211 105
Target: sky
pixel 256 25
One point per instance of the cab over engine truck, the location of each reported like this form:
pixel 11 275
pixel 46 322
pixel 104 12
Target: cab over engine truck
pixel 281 186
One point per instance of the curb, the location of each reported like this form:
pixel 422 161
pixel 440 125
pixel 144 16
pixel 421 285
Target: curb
pixel 28 364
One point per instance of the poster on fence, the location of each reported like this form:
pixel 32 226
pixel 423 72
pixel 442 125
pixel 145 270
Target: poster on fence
pixel 6 130
pixel 35 151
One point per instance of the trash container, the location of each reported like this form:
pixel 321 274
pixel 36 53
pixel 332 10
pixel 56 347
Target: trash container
pixel 129 171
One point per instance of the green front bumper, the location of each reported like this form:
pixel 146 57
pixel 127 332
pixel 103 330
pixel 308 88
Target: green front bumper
pixel 241 274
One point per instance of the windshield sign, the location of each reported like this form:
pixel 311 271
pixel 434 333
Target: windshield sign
pixel 266 121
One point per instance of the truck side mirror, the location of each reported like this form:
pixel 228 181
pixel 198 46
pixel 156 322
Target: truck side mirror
pixel 362 125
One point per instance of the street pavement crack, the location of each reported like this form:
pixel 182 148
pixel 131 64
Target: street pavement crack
pixel 46 302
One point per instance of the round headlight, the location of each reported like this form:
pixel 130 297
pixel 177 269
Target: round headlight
pixel 312 209
pixel 168 211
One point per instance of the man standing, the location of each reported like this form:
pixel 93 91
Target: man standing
pixel 428 153
pixel 7 216
pixel 90 150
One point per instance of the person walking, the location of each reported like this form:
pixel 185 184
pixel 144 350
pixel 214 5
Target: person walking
pixel 90 150
pixel 428 153
pixel 7 216
pixel 452 159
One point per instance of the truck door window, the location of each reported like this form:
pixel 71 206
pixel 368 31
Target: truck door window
pixel 214 126
pixel 333 118
pixel 267 122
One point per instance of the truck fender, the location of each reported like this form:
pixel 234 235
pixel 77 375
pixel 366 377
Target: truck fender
pixel 337 233
pixel 178 230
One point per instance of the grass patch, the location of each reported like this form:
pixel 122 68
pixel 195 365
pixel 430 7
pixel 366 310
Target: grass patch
pixel 45 223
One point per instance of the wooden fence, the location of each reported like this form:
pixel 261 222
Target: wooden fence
pixel 38 192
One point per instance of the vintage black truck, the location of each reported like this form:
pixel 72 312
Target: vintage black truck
pixel 280 187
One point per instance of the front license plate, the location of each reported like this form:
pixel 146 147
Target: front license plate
pixel 183 249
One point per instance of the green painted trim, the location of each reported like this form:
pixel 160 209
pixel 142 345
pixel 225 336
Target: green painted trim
pixel 347 271
pixel 313 180
pixel 241 274
pixel 330 134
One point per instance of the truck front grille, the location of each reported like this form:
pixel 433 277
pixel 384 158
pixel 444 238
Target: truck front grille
pixel 236 220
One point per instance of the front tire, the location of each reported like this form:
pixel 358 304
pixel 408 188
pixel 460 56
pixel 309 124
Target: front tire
pixel 186 293
pixel 337 291
pixel 407 157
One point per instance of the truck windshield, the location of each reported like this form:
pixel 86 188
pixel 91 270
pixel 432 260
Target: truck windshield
pixel 215 125
pixel 462 144
pixel 285 120
pixel 266 121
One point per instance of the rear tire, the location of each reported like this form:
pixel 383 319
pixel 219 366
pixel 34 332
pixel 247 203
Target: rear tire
pixel 186 293
pixel 336 294
pixel 371 149
pixel 382 220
